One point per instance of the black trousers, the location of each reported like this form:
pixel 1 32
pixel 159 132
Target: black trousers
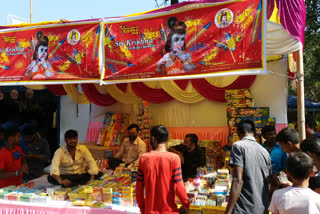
pixel 78 179
pixel 114 162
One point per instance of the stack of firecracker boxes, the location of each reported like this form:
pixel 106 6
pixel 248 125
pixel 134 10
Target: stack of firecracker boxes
pixel 209 193
pixel 241 106
pixel 143 119
pixel 113 130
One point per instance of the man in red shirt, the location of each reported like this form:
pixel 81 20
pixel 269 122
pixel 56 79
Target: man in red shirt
pixel 159 174
pixel 11 165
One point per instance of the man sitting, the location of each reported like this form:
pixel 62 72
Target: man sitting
pixel 191 155
pixel 299 198
pixel 69 163
pixel 131 149
pixel 38 153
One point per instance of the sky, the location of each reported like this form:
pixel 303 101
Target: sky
pixel 72 10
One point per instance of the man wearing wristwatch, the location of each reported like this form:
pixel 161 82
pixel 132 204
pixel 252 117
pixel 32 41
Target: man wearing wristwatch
pixel 68 167
pixel 12 164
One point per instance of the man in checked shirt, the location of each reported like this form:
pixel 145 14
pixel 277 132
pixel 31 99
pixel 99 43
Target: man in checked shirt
pixel 159 174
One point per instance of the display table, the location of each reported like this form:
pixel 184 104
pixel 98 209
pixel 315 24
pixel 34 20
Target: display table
pixel 63 207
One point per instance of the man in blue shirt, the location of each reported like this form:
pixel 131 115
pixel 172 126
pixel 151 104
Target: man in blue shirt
pixel 278 156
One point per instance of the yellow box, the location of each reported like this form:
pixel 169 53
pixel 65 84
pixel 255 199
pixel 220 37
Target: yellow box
pixel 213 210
pixel 195 209
pixel 81 193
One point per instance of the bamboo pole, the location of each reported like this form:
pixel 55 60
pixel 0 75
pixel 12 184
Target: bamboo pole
pixel 30 11
pixel 300 96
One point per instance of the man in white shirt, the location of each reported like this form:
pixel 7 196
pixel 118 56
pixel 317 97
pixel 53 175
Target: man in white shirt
pixel 298 198
pixel 72 164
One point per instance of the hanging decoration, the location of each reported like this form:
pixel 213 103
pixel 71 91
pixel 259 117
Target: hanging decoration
pixel 128 97
pixel 57 89
pixel 154 95
pixel 101 99
pixel 75 95
pixel 95 97
pixel 179 94
pixel 217 94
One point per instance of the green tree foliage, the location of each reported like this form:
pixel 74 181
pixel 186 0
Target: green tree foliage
pixel 312 51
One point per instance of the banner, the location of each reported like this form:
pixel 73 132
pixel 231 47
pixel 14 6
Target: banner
pixel 51 53
pixel 189 42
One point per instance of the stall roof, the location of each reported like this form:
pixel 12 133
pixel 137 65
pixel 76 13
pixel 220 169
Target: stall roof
pixel 292 103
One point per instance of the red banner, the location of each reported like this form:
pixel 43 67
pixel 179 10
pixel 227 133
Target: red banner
pixel 65 52
pixel 204 40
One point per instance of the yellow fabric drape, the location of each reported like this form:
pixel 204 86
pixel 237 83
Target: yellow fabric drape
pixel 35 87
pixel 222 81
pixel 273 58
pixel 185 96
pixel 127 98
pixel 75 95
pixel 101 89
pixel 275 14
pixel 153 84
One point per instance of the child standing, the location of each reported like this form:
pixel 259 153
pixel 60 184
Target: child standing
pixel 298 198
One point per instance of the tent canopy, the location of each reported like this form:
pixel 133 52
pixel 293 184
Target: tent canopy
pixel 292 103
pixel 285 22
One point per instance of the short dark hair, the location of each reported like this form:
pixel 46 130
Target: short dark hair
pixel 160 133
pixel 288 134
pixel 70 134
pixel 246 126
pixel 29 130
pixel 132 126
pixel 10 132
pixel 299 165
pixel 193 138
pixel 268 128
pixel 42 41
pixel 311 145
pixel 310 122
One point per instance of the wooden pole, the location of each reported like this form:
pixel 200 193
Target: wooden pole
pixel 30 11
pixel 300 96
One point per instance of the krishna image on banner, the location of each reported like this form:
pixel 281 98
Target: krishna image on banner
pixel 40 67
pixel 176 60
pixel 53 52
pixel 221 37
